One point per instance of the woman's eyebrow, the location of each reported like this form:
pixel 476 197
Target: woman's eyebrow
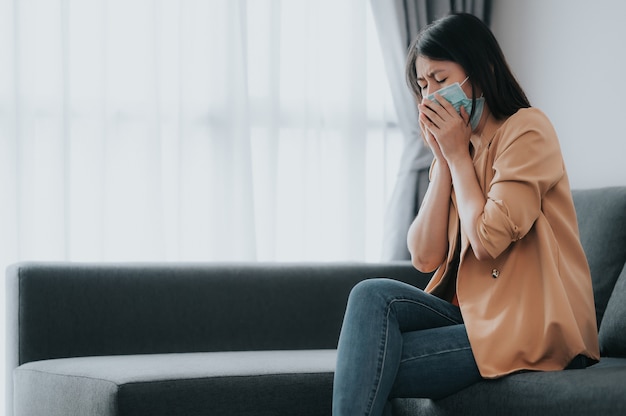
pixel 431 74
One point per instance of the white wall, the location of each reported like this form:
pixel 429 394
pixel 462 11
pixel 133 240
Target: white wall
pixel 570 57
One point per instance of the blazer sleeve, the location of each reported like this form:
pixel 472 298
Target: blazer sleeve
pixel 527 162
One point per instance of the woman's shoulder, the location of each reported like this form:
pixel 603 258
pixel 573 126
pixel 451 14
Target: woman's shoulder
pixel 528 119
pixel 527 124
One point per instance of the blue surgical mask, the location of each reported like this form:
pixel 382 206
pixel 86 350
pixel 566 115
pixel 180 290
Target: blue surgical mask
pixel 456 96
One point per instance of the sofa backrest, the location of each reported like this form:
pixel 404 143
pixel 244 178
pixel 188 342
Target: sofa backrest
pixel 601 216
pixel 60 310
pixel 602 221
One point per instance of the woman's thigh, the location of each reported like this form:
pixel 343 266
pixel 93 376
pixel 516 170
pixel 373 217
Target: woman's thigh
pixel 411 307
pixel 435 363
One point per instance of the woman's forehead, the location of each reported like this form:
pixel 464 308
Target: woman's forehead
pixel 426 67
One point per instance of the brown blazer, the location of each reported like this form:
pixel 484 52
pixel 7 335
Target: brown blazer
pixel 531 307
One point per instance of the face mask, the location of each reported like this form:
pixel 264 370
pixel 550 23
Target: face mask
pixel 456 96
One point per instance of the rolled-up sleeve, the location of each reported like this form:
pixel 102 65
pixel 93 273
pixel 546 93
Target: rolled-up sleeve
pixel 526 161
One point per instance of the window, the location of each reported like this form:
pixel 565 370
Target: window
pixel 194 130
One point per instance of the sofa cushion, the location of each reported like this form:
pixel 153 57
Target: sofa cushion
pixel 226 383
pixel 597 390
pixel 612 334
pixel 602 225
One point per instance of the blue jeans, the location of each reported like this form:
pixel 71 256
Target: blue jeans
pixel 398 341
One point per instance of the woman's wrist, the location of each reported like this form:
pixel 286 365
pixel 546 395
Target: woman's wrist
pixel 442 172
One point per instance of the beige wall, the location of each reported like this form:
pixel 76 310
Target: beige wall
pixel 570 56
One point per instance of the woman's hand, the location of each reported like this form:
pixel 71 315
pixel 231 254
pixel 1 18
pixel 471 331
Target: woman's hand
pixel 432 143
pixel 447 132
pixel 451 134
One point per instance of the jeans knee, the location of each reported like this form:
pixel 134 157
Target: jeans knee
pixel 369 291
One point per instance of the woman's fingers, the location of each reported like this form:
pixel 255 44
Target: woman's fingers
pixel 431 141
pixel 429 114
pixel 437 112
pixel 446 106
pixel 464 115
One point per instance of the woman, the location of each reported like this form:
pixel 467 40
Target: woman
pixel 511 289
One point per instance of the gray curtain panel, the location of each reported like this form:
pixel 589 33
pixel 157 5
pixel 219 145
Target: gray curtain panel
pixel 397 23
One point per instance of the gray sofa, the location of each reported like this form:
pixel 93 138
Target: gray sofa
pixel 259 338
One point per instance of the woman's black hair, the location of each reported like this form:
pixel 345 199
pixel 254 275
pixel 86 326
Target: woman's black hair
pixel 463 38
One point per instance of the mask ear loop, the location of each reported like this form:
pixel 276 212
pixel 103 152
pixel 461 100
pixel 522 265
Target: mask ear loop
pixel 473 98
pixel 464 81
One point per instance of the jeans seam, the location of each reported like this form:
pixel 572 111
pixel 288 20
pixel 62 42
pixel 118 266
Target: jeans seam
pixel 382 357
pixel 433 354
pixel 381 360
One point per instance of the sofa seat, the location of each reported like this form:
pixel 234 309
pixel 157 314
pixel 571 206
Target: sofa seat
pixel 244 382
pixel 533 393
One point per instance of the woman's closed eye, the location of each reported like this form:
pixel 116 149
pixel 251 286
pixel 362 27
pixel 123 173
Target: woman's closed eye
pixel 423 87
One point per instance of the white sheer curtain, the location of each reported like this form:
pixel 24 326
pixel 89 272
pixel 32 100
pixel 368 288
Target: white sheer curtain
pixel 193 130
